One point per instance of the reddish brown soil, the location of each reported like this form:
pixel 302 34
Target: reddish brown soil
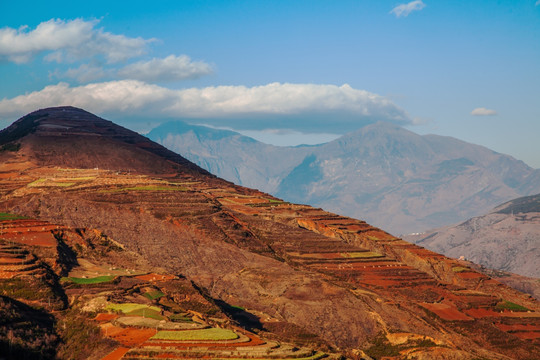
pixel 517 327
pixel 527 335
pixel 116 354
pixel 446 312
pixel 482 313
pixel 242 259
pixel 129 336
pixel 11 260
pixel 155 277
pixel 105 317
pixel 32 238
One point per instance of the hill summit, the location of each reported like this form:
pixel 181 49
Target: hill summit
pixel 68 136
pixel 96 219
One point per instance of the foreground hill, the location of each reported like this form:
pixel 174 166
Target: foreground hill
pixel 298 275
pixel 507 238
pixel 382 173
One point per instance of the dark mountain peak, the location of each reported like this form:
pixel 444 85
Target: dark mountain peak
pixel 59 120
pixel 72 137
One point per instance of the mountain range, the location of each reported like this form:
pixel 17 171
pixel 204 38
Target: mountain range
pixel 113 247
pixel 507 238
pixel 385 174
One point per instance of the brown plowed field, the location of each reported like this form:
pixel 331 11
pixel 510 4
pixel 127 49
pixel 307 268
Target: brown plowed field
pixel 446 312
pixel 104 317
pixel 45 239
pixel 128 336
pixel 116 354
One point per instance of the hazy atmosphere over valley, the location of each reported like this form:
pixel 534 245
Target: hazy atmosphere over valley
pixel 289 179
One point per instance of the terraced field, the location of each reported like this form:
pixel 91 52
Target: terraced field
pixel 375 261
pixel 155 245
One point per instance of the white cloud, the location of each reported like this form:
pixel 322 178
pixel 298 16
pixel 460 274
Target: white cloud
pixel 537 3
pixel 171 68
pixel 296 106
pixel 403 10
pixel 483 112
pixel 68 41
pixel 84 73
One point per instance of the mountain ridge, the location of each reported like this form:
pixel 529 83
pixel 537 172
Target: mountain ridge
pixel 385 174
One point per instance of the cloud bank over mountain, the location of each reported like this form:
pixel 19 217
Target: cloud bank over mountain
pixel 313 106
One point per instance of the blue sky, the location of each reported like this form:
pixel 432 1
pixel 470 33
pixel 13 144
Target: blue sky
pixel 305 70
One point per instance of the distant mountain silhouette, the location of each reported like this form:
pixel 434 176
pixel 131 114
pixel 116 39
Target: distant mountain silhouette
pixel 390 176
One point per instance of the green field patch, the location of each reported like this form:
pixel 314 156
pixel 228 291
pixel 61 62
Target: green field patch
pixel 460 269
pixel 50 183
pixel 147 313
pixel 152 295
pixel 508 305
pixel 94 280
pixel 8 216
pixel 361 254
pixel 149 188
pixel 152 312
pixel 212 334
pixel 180 318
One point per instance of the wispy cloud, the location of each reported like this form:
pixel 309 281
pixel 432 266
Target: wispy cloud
pixel 171 68
pixel 320 108
pixel 481 111
pixel 403 10
pixel 537 3
pixel 84 73
pixel 94 54
pixel 68 41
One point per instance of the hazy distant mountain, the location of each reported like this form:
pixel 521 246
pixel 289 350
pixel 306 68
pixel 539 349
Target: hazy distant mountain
pixel 383 173
pixel 508 238
pixel 232 156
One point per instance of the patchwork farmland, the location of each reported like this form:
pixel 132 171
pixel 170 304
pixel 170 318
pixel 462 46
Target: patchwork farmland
pixel 143 326
pixel 150 256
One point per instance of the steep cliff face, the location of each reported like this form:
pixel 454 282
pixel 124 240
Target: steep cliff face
pixel 344 281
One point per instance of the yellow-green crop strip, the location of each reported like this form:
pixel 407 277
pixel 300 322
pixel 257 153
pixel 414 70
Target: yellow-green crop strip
pixel 50 183
pixel 212 334
pixel 148 188
pixel 129 307
pixel 8 216
pixel 361 254
pixel 94 280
